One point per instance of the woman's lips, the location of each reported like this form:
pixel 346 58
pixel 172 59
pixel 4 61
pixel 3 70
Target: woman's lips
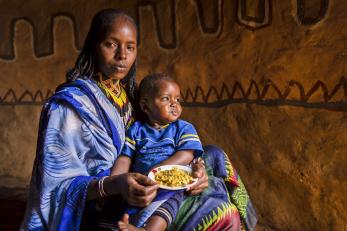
pixel 120 68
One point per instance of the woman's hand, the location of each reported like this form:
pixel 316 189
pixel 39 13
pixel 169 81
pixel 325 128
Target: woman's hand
pixel 137 189
pixel 199 172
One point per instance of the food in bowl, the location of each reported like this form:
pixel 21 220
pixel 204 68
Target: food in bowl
pixel 174 177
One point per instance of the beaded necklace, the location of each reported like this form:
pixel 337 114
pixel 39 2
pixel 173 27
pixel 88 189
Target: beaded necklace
pixel 116 93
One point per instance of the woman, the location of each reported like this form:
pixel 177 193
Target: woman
pixel 81 133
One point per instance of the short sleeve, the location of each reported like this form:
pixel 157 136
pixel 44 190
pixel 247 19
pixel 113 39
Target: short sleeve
pixel 188 139
pixel 130 142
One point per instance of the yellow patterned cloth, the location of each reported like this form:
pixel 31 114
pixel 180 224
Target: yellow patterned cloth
pixel 119 99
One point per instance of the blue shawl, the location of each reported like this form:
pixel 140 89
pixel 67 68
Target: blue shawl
pixel 80 136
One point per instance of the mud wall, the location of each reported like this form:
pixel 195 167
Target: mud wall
pixel 263 79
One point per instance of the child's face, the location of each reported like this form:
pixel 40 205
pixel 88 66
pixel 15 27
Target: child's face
pixel 165 104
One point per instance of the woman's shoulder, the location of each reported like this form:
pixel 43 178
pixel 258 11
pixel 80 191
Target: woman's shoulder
pixel 81 84
pixel 72 94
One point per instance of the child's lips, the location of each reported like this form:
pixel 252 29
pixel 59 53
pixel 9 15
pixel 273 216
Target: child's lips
pixel 174 112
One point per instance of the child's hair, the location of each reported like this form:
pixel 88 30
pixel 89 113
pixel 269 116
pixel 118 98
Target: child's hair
pixel 149 84
pixel 147 88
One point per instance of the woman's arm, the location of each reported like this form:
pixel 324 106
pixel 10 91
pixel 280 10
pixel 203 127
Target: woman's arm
pixel 122 165
pixel 135 188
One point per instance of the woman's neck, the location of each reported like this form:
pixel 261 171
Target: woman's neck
pixel 112 84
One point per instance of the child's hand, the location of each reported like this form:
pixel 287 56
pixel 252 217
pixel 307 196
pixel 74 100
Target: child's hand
pixel 199 172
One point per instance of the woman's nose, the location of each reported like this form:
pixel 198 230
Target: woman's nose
pixel 121 54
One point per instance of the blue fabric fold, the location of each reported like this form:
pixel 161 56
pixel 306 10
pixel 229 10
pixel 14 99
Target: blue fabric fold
pixel 64 93
pixel 80 136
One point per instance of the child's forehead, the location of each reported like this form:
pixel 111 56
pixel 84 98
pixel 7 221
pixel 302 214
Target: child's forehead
pixel 158 87
pixel 165 84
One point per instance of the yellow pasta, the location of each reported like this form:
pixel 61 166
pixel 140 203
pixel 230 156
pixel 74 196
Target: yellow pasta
pixel 173 178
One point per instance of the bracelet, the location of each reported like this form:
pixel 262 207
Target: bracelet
pixel 101 187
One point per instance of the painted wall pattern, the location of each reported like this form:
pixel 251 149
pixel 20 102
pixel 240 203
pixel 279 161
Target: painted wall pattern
pixel 210 17
pixel 265 80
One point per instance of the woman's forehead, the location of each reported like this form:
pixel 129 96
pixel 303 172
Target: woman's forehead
pixel 122 22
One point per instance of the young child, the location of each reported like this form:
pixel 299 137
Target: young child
pixel 159 140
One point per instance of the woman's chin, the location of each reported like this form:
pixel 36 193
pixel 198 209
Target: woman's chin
pixel 117 76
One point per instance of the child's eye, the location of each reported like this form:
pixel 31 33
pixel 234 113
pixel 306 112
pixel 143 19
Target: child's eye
pixel 178 100
pixel 165 98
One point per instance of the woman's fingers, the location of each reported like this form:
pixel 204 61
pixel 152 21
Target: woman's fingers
pixel 141 201
pixel 141 190
pixel 143 185
pixel 144 180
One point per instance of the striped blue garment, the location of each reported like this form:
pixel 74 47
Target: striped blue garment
pixel 80 136
pixel 148 146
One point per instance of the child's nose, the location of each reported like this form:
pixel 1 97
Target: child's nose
pixel 173 102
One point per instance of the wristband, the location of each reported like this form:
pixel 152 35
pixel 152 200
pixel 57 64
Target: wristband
pixel 101 187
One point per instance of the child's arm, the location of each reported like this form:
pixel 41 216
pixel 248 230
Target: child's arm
pixel 187 145
pixel 122 165
pixel 181 157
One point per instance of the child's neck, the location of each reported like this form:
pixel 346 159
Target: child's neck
pixel 156 125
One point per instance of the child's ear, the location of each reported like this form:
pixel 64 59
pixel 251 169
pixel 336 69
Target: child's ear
pixel 143 105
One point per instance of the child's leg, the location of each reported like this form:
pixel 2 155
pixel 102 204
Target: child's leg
pixel 160 219
pixel 154 223
pixel 166 213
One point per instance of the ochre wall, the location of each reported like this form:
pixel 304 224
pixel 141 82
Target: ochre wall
pixel 263 79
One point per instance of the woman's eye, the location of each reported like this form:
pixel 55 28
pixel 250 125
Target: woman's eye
pixel 131 48
pixel 110 45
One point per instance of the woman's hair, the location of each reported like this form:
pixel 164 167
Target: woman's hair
pixel 86 66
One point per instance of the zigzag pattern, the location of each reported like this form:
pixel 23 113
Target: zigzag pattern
pixel 225 211
pixel 226 95
pixel 240 198
pixel 26 98
pixel 232 175
pixel 260 95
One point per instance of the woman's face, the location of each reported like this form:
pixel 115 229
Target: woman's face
pixel 118 50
